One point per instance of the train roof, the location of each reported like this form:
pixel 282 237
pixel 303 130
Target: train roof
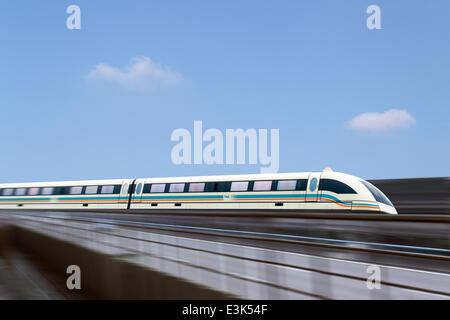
pixel 237 177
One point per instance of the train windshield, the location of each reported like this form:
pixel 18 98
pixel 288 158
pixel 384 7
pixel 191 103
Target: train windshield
pixel 378 195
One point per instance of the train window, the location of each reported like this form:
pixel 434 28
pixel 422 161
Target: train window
pixel 107 189
pixel 286 185
pixel 218 186
pixel 176 187
pixel 313 184
pixel 262 185
pixel 21 191
pixel 335 186
pixel 147 188
pixel 124 189
pixel 239 186
pixel 197 187
pixel 61 190
pixel 91 190
pixel 301 184
pixel 139 188
pixel 377 194
pixel 158 188
pixel 117 188
pixel 33 191
pixel 47 191
pixel 75 190
pixel 7 192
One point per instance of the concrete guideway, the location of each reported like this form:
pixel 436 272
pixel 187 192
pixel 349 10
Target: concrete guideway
pixel 219 270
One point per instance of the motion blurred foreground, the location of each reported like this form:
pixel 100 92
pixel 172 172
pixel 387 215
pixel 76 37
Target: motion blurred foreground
pixel 252 256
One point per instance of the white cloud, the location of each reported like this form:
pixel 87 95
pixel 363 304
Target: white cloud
pixel 388 121
pixel 142 74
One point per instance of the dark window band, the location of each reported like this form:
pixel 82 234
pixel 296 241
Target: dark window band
pixel 335 186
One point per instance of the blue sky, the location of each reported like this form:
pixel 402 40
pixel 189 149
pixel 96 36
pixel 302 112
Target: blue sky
pixel 306 68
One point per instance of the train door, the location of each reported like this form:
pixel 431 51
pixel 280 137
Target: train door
pixel 312 190
pixel 137 194
pixel 124 194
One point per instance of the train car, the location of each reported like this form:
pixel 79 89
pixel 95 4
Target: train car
pixel 325 191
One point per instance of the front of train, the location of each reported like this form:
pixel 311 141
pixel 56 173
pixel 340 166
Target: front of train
pixel 364 196
pixel 383 201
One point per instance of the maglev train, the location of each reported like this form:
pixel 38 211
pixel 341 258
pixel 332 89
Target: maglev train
pixel 325 191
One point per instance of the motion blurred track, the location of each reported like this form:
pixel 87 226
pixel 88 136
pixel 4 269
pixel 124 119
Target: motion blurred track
pixel 421 242
pixel 237 264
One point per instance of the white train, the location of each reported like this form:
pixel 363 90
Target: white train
pixel 325 191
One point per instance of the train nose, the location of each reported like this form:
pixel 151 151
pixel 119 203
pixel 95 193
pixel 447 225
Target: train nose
pixel 387 209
